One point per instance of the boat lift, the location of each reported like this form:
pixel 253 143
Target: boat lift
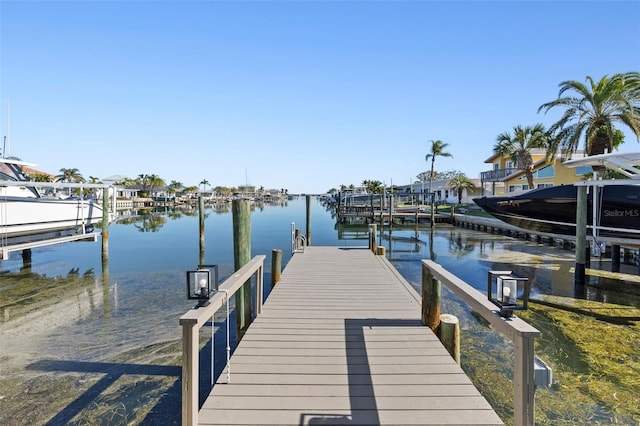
pixel 12 244
pixel 628 164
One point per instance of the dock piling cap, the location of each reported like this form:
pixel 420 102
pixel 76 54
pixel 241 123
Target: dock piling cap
pixel 449 319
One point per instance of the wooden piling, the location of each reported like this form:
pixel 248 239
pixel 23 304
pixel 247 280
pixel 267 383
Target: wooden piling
pixel 308 199
pixel 201 216
pixel 581 236
pixel 26 260
pixel 615 258
pixel 105 223
pixel 241 213
pixel 276 266
pixel 431 295
pixel 390 210
pixel 105 289
pixel 450 335
pixel 373 231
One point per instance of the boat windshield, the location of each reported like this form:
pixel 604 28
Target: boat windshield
pixel 10 171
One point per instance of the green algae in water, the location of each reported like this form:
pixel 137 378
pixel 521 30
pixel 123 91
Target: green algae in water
pixel 596 365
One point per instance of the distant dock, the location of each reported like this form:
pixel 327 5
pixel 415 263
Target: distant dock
pixel 401 216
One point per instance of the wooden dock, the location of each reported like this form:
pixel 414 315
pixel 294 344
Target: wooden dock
pixel 340 342
pixel 399 216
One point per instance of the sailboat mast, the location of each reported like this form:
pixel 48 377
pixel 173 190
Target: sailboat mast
pixel 7 139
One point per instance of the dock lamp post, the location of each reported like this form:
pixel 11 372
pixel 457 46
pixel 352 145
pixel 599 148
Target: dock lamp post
pixel 503 290
pixel 199 284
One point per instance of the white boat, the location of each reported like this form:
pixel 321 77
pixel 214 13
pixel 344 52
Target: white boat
pixel 27 210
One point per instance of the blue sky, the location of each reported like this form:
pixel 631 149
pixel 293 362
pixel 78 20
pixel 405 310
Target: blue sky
pixel 303 95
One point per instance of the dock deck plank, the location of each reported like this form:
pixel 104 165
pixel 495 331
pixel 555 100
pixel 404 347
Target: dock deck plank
pixel 339 342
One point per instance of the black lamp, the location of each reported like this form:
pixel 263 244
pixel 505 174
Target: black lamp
pixel 503 289
pixel 199 284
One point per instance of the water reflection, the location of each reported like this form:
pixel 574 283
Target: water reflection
pixel 471 254
pixel 460 244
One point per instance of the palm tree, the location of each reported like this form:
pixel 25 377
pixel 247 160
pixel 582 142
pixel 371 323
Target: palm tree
pixel 173 187
pixel 127 182
pixel 518 147
pixel 593 110
pixel 204 184
pixel 39 177
pixel 373 186
pixel 191 189
pixel 143 180
pixel 459 183
pixel 69 175
pixel 155 182
pixel 437 150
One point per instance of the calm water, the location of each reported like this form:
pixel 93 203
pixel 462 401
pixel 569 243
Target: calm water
pixel 59 310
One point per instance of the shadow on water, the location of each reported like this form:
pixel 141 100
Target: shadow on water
pixel 112 372
pixel 167 410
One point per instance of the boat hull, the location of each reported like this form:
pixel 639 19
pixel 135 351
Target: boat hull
pixel 20 216
pixel 553 210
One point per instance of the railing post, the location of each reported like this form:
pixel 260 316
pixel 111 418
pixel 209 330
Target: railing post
pixel 519 332
pixel 190 370
pixel 194 319
pixel 259 289
pixel 523 384
pixel 431 295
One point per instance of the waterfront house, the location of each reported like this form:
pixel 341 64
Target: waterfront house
pixel 505 176
pixel 442 190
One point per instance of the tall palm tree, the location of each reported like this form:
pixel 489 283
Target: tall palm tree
pixel 204 184
pixel 459 183
pixel 518 147
pixel 593 110
pixel 437 150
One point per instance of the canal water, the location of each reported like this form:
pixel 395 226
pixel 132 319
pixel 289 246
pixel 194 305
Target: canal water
pixel 84 342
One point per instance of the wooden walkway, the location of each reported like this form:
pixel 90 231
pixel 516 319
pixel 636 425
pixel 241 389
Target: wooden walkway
pixel 339 342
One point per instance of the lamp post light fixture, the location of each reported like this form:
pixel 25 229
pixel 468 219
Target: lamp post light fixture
pixel 503 290
pixel 199 284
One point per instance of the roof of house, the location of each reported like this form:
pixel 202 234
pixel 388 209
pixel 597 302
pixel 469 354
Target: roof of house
pixel 31 171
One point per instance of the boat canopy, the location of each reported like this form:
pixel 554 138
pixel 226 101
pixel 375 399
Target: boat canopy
pixel 627 163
